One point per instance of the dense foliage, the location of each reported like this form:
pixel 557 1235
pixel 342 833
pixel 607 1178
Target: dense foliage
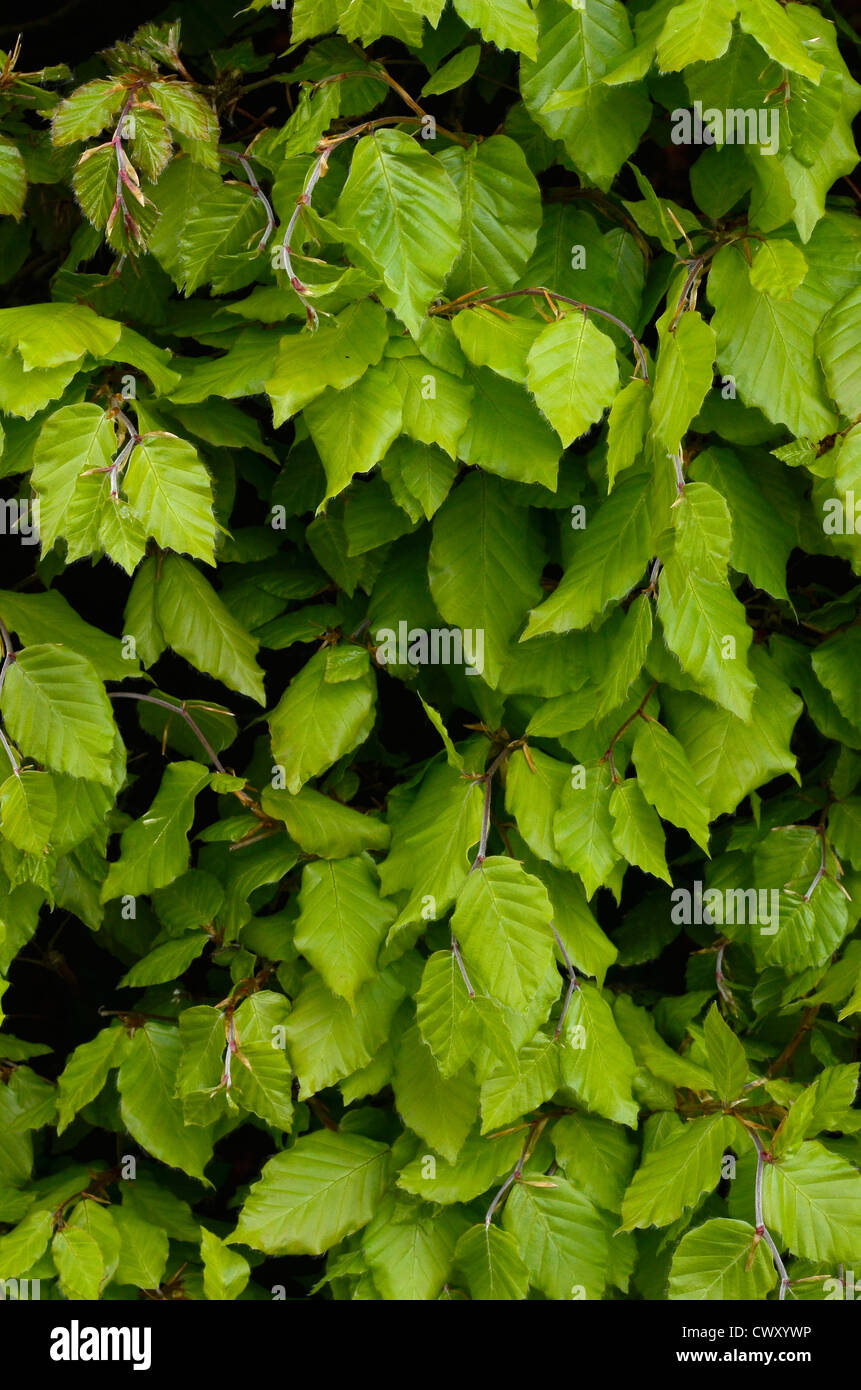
pixel 430 812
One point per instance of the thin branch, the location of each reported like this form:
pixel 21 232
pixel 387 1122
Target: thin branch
pixel 229 1050
pixel 9 655
pixel 678 465
pixel 539 291
pixel 8 750
pixel 256 190
pixel 761 1229
pixel 126 174
pixel 485 822
pixel 720 979
pixel 455 950
pixel 6 639
pixel 573 982
pixel 608 756
pixel 303 201
pixel 823 861
pixel 174 709
pixel 788 1052
pixel 534 1130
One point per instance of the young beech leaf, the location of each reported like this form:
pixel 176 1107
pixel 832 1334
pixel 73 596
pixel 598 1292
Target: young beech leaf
pixel 56 710
pixel 316 722
pixel 309 1198
pixel 155 850
pixel 726 1056
pixel 532 511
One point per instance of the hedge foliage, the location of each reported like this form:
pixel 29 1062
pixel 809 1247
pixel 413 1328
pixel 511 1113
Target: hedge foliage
pixel 430 812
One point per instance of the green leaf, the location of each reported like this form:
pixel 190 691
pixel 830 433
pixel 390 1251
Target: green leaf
pixel 587 946
pixel 693 33
pixel 626 428
pixel 702 532
pixel 675 1174
pixel 431 841
pixel 72 441
pixel 490 1263
pixel 46 335
pixel 79 1263
pixel 626 656
pixel 316 722
pixel 564 94
pixel 166 962
pixel 609 555
pixel 682 378
pixel 774 29
pixel 480 1162
pixel 435 404
pixel 336 355
pixel 86 1072
pixel 583 828
pixel 28 810
pixel 185 110
pixel 726 1056
pixel 225 1272
pixel 410 1249
pixel 485 559
pixel 711 1262
pixel 768 346
pixel 501 213
pixel 637 832
pixel 353 428
pixel 596 1156
pixel 761 538
pixel 778 268
pixel 198 625
pixel 322 826
pixel 597 1064
pixel 143 1250
pixel 342 922
pixel 533 790
pixel 155 849
pixel 573 374
pixel 50 618
pixel 666 780
pixel 502 922
pixel 836 341
pixel 454 73
pixel 729 758
pixel 491 340
pixel 513 1090
pixel 440 1109
pixel 87 111
pixel 151 1113
pixel 441 1012
pixel 811 1198
pixel 141 621
pixel 507 23
pixel 328 1039
pixel 501 414
pixel 561 1237
pixel 404 211
pixel 170 492
pixel 704 624
pixel 313 1195
pixel 21 1247
pixel 224 227
pixel 13 180
pixel 56 710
